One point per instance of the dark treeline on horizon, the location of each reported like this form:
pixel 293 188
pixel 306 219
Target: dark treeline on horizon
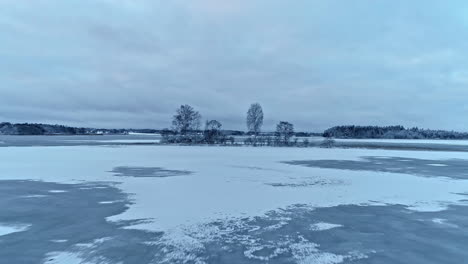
pixel 7 128
pixel 349 131
pixel 391 132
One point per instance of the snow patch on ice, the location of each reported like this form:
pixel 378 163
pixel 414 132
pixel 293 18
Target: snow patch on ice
pixel 437 165
pixel 190 243
pixel 59 240
pixel 6 229
pixel 110 202
pixel 305 252
pixel 34 196
pixel 58 191
pixel 264 253
pixel 321 226
pixel 63 258
pixel 177 246
pixel 276 226
pixel 444 222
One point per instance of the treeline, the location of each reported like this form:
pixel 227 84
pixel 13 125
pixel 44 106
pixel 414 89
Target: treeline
pixel 40 129
pixel 47 129
pixel 390 132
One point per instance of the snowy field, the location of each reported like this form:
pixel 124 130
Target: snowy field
pixel 179 204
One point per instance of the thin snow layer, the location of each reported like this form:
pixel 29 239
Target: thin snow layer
pixel 305 252
pixel 63 258
pixel 224 185
pixel 6 229
pixel 444 222
pixel 249 240
pixel 121 141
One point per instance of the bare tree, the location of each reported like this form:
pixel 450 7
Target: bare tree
pixel 284 132
pixel 212 133
pixel 328 142
pixel 186 119
pixel 255 118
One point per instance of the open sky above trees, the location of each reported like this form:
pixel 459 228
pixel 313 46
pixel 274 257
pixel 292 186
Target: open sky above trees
pixel 316 64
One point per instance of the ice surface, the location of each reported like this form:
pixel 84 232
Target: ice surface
pixel 223 185
pixel 234 183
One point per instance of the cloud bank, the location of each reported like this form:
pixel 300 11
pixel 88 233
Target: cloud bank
pixel 125 63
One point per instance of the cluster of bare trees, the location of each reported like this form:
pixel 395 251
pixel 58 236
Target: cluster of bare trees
pixel 186 125
pixel 186 129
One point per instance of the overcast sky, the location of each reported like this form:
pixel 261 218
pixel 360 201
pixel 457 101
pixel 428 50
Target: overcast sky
pixel 131 63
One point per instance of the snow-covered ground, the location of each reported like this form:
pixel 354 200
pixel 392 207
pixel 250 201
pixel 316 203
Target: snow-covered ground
pixel 122 141
pixel 186 189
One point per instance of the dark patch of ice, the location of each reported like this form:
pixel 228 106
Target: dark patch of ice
pixel 320 182
pixel 73 217
pixel 147 172
pixel 453 168
pixel 258 168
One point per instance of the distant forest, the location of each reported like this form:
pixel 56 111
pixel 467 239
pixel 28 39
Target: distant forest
pixel 391 132
pixel 46 129
pixel 38 129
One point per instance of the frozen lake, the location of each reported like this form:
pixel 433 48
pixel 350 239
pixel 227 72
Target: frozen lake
pixel 67 200
pixel 152 139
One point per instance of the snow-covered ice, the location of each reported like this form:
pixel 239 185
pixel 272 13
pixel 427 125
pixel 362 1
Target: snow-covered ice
pixel 227 183
pixel 221 186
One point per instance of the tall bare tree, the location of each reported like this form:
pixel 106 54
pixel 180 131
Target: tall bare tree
pixel 255 118
pixel 186 119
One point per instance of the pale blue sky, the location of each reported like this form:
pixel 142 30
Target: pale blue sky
pixel 130 63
